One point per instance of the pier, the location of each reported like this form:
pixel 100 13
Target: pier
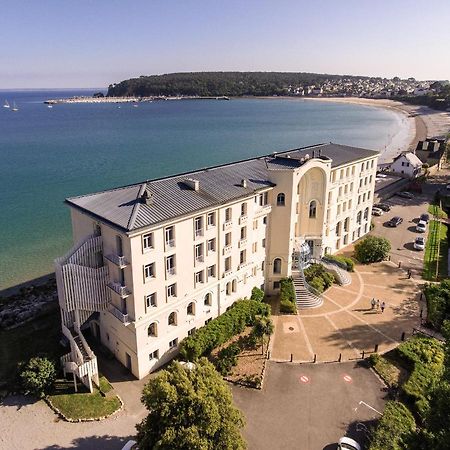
pixel 127 99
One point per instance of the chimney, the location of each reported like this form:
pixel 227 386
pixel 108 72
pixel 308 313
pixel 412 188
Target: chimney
pixel 147 198
pixel 193 184
pixel 244 183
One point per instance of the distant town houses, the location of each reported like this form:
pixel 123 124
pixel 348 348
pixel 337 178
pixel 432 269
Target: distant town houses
pixel 408 165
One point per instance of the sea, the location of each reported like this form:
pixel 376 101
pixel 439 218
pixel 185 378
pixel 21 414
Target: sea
pixel 48 154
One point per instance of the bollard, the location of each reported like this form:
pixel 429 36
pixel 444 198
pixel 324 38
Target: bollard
pixel 363 354
pixel 421 313
pixel 389 257
pixel 403 336
pixel 399 264
pixel 376 348
pixel 340 357
pixel 315 357
pixel 268 354
pixel 292 357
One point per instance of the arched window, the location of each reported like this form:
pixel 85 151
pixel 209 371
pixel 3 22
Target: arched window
pixel 191 309
pixel 312 209
pixel 153 329
pixel 277 265
pixel 346 224
pixel 366 213
pixel 228 288
pixel 172 319
pixel 358 218
pixel 234 285
pixel 280 199
pixel 208 299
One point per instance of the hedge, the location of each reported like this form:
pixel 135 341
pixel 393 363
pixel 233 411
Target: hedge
pixel 344 261
pixel 287 296
pixel 372 249
pixel 438 303
pixel 222 328
pixel 318 277
pixel 425 356
pixel 394 428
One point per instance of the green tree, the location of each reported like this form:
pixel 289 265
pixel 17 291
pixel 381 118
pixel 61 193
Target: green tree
pixel 189 409
pixel 262 327
pixel 37 376
pixel 372 249
pixel 257 294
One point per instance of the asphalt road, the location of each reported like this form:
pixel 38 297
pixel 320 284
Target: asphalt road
pixel 309 406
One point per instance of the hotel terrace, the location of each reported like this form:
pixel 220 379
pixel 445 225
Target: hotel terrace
pixel 154 261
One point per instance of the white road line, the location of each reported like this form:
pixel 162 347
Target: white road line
pixel 370 407
pixel 308 342
pixel 349 343
pixel 371 326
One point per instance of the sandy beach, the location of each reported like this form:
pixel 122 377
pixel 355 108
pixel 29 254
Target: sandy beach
pixel 416 123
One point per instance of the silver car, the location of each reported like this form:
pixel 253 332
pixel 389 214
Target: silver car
pixel 419 243
pixel 421 227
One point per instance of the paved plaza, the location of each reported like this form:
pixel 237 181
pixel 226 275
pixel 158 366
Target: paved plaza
pixel 346 324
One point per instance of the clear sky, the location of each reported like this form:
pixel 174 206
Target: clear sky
pixel 92 43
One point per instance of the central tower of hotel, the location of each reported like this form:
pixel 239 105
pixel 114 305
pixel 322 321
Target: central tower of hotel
pixel 154 261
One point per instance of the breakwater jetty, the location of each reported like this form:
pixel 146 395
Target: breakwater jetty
pixel 97 99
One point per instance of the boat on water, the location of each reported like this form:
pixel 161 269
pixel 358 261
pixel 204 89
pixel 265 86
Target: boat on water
pixel 6 104
pixel 49 106
pixel 14 108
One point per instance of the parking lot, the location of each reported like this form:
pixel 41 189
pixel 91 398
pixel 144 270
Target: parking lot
pixel 402 237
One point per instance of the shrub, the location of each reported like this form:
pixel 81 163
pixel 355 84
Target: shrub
pixel 287 296
pixel 318 284
pixel 227 358
pixel 318 277
pixel 372 249
pixel 394 428
pixel 288 307
pixel 257 294
pixel 37 376
pixel 222 328
pixel 344 261
pixel 438 303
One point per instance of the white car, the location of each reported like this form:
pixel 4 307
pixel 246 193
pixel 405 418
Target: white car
pixel 421 227
pixel 377 212
pixel 131 445
pixel 419 243
pixel 346 443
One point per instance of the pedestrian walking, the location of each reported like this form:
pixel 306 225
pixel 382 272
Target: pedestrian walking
pixel 383 305
pixel 409 273
pixel 373 303
pixel 378 304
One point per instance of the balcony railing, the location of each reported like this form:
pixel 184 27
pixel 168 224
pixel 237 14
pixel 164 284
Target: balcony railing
pixel 243 219
pixel 199 259
pixel 117 260
pixel 242 242
pixel 227 224
pixel 264 209
pixel 171 271
pixel 170 243
pixel 116 312
pixel 198 232
pixel 227 249
pixel 244 265
pixel 119 289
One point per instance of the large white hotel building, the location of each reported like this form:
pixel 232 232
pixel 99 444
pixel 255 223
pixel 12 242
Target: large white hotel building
pixel 153 261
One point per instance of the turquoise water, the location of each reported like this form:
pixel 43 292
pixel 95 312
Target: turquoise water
pixel 47 154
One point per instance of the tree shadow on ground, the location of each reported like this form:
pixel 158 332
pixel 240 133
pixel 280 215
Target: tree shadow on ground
pixel 18 401
pixel 93 443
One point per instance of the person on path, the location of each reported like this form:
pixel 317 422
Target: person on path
pixel 409 273
pixel 373 303
pixel 383 305
pixel 378 304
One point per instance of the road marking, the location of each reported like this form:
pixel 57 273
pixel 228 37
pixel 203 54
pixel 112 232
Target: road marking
pixel 304 379
pixel 305 336
pixel 349 343
pixel 370 407
pixel 347 378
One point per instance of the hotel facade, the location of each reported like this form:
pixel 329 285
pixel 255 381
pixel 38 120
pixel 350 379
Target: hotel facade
pixel 154 261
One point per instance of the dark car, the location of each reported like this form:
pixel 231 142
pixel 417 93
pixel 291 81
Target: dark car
pixel 405 194
pixel 424 217
pixel 383 206
pixel 395 221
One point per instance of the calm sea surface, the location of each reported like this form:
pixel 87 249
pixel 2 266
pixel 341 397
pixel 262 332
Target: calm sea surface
pixel 47 154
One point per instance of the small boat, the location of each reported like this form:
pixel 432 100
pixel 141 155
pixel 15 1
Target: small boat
pixel 14 108
pixel 49 106
pixel 135 105
pixel 6 104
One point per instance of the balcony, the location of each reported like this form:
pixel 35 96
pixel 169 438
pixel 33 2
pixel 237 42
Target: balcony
pixel 227 224
pixel 122 291
pixel 244 265
pixel 243 219
pixel 119 261
pixel 227 249
pixel 170 272
pixel 118 314
pixel 263 210
pixel 242 243
pixel 199 259
pixel 198 233
pixel 170 243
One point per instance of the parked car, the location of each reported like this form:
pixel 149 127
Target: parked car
pixel 419 243
pixel 384 206
pixel 131 445
pixel 424 217
pixel 447 187
pixel 346 443
pixel 395 221
pixel 377 212
pixel 405 194
pixel 421 227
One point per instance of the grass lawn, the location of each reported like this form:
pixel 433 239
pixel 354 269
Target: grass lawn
pixel 436 243
pixel 435 210
pixel 39 337
pixel 389 369
pixel 83 404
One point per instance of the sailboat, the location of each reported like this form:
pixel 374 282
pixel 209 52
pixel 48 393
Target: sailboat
pixel 6 105
pixel 14 108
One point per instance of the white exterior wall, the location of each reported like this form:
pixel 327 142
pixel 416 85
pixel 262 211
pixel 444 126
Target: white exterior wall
pixel 403 167
pixel 285 226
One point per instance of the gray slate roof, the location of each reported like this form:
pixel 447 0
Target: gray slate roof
pixel 124 208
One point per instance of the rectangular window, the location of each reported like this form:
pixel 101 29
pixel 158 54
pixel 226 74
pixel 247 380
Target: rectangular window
pixel 153 355
pixel 147 241
pixel 243 257
pixel 191 331
pixel 227 214
pixel 243 232
pixel 254 247
pixel 172 290
pixel 170 265
pixel 199 253
pixel 199 277
pixel 170 236
pixel 255 224
pixel 276 285
pixel 174 343
pixel 149 271
pixel 265 220
pixel 211 271
pixel 228 239
pixel 243 209
pixel 228 264
pixel 212 245
pixel 198 226
pixel 211 220
pixel 263 243
pixel 150 301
